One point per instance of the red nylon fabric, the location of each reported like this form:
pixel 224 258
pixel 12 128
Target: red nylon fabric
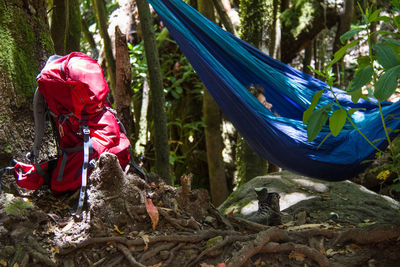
pixel 74 84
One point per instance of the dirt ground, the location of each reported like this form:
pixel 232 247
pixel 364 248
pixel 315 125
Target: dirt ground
pixel 129 222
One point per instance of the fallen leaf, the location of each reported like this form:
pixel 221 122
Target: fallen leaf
pixel 146 241
pixel 221 265
pixel 152 211
pixel 3 263
pixel 206 265
pixel 117 230
pixel 157 265
pixel 297 256
pixel 230 214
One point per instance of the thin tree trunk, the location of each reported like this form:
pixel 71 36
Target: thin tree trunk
pixel 101 18
pixel 226 21
pixel 73 36
pixel 344 25
pixel 249 163
pixel 89 38
pixel 157 95
pixel 123 101
pixel 212 116
pixel 59 25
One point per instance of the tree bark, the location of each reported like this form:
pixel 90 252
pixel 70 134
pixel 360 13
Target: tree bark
pixel 123 102
pixel 25 44
pixel 248 163
pixel 89 38
pixel 156 90
pixel 226 21
pixel 346 16
pixel 101 18
pixel 59 25
pixel 297 35
pixel 73 36
pixel 212 117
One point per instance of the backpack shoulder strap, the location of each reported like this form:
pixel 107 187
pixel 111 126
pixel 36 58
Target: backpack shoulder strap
pixel 39 114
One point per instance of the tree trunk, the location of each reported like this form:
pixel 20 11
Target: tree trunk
pixel 101 18
pixel 25 44
pixel 89 38
pixel 226 21
pixel 301 23
pixel 73 36
pixel 212 117
pixel 123 101
pixel 346 17
pixel 59 25
pixel 248 163
pixel 156 90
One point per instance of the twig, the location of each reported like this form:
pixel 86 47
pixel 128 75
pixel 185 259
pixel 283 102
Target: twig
pixel 249 225
pixel 129 256
pixel 119 239
pixel 220 217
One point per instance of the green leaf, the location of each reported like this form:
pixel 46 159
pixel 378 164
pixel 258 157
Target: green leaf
pixel 354 110
pixel 355 95
pixel 337 121
pixel 384 18
pixel 310 109
pixel 317 121
pixel 362 77
pixel 349 34
pixel 392 41
pixel 387 83
pixel 341 52
pixel 316 71
pixel 363 61
pixel 374 16
pixel 386 56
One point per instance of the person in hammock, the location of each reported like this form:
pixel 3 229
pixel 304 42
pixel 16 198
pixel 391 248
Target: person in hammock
pixel 258 92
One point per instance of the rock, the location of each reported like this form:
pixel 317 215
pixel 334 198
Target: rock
pixel 317 199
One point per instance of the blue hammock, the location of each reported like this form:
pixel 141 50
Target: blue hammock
pixel 226 65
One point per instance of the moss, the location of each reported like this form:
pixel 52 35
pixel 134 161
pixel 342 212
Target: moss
pixel 300 16
pixel 18 54
pixel 18 207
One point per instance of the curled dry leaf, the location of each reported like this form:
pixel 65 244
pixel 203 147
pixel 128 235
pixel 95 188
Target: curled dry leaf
pixel 152 211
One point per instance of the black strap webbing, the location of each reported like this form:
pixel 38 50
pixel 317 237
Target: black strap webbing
pixel 85 166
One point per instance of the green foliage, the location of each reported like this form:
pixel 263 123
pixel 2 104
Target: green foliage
pixel 299 16
pixel 183 98
pixel 378 73
pixel 18 207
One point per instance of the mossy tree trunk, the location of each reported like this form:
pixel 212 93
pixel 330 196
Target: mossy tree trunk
pixel 73 36
pixel 25 44
pixel 156 91
pixel 212 117
pixel 101 19
pixel 252 17
pixel 59 25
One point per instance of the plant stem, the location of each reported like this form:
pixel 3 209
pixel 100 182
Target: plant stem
pixel 371 60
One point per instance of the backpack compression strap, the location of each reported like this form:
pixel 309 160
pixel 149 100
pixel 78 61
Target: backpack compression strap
pixel 85 166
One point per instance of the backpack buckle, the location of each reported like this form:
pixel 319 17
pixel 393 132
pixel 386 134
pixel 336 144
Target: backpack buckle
pixel 85 130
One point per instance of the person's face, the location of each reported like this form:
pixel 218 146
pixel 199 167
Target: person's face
pixel 263 101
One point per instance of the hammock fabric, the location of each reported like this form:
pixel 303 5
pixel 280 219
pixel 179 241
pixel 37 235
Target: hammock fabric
pixel 226 65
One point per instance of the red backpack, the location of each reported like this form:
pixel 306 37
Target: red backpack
pixel 72 89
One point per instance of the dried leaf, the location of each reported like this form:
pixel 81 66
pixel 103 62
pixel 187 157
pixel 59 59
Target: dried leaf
pixel 152 211
pixel 230 214
pixel 116 229
pixel 146 241
pixel 206 265
pixel 157 265
pixel 221 265
pixel 3 263
pixel 297 256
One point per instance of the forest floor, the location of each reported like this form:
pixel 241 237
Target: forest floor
pixel 129 222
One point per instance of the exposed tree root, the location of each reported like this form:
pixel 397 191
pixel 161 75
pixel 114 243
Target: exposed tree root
pixel 370 234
